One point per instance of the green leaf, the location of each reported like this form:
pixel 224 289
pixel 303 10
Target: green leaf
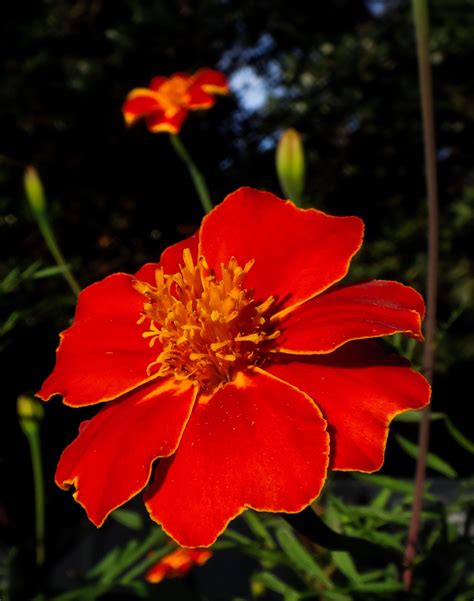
pixel 343 562
pixel 48 272
pixel 403 486
pixel 300 557
pixel 276 585
pixel 104 564
pixel 256 525
pixel 459 437
pixel 10 323
pixel 332 595
pixel 381 499
pixel 432 461
pixel 237 537
pixel 128 518
pixel 414 417
pixel 380 587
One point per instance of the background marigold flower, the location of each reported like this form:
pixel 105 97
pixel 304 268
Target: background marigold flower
pixel 166 102
pixel 177 563
pixel 239 362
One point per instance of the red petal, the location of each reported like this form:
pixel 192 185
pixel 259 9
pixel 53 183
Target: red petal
pixel 171 258
pixel 199 98
pixel 257 442
pixel 103 354
pixel 297 253
pixel 139 103
pixel 365 310
pixel 157 82
pixel 110 460
pixel 211 81
pixel 360 389
pixel 158 121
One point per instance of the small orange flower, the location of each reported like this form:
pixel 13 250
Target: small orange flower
pixel 177 563
pixel 241 363
pixel 165 104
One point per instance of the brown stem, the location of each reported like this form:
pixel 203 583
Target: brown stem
pixel 420 13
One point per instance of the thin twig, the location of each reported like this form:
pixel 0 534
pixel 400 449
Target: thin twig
pixel 420 14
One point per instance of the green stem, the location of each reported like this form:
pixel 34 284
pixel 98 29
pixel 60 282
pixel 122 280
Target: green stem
pixel 197 177
pixel 54 249
pixel 421 19
pixel 37 465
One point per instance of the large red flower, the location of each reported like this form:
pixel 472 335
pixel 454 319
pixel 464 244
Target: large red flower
pixel 238 363
pixel 166 102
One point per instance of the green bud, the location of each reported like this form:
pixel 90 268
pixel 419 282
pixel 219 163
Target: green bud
pixel 290 165
pixel 34 191
pixel 30 412
pixel 257 588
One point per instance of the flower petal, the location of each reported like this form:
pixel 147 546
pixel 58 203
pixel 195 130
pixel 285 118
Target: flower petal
pixel 211 81
pixel 257 442
pixel 110 460
pixel 171 258
pixel 158 120
pixel 139 103
pixel 359 388
pixel 298 253
pixel 365 310
pixel 177 563
pixel 199 98
pixel 103 354
pixel 157 82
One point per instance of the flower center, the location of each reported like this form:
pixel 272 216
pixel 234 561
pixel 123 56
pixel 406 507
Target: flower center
pixel 174 94
pixel 208 328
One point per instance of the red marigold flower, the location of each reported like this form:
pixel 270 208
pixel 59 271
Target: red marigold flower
pixel 239 363
pixel 165 104
pixel 177 563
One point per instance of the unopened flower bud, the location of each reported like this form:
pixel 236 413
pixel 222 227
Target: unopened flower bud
pixel 290 165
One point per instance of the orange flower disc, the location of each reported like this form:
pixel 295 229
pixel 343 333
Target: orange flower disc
pixel 241 364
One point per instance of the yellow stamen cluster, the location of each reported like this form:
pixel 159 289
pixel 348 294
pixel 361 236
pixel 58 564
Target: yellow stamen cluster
pixel 174 94
pixel 208 328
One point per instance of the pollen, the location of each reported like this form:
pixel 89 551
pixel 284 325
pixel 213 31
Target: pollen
pixel 206 329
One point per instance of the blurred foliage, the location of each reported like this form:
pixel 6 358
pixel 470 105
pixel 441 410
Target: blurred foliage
pixel 344 75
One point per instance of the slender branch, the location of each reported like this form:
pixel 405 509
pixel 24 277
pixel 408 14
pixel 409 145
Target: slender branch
pixel 197 177
pixel 421 19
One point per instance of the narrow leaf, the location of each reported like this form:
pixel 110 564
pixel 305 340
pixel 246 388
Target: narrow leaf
pixel 462 440
pixel 300 556
pixel 256 525
pixel 414 417
pixel 432 461
pixel 343 562
pixel 128 518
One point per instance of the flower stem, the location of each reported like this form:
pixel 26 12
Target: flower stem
pixel 54 249
pixel 197 177
pixel 421 20
pixel 37 200
pixel 35 451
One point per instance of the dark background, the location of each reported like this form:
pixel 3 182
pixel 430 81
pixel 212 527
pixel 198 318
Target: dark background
pixel 344 75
